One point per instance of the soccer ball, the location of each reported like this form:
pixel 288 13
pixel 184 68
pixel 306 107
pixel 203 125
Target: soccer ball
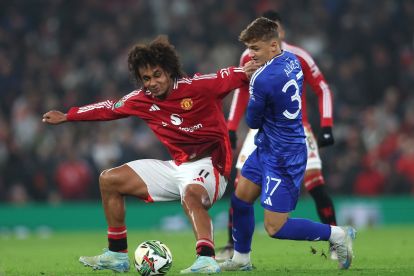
pixel 152 258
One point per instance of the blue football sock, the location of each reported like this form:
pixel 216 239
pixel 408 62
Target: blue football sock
pixel 243 224
pixel 303 230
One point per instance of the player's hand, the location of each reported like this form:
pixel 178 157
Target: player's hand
pixel 54 117
pixel 233 139
pixel 325 137
pixel 250 67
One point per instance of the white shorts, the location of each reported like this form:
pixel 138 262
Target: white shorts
pixel 166 181
pixel 314 160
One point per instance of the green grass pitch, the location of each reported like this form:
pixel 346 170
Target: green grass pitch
pixel 378 251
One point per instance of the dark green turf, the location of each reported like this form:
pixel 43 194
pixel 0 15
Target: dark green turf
pixel 379 251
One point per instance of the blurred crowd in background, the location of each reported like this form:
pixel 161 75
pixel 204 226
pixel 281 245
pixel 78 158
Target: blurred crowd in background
pixel 55 54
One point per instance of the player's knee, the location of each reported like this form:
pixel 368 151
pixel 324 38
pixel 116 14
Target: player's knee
pixel 274 224
pixel 271 229
pixel 195 196
pixel 106 179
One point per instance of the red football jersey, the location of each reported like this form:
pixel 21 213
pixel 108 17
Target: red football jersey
pixel 189 121
pixel 313 77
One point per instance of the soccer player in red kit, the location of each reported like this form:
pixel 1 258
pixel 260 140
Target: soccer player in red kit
pixel 186 116
pixel 314 181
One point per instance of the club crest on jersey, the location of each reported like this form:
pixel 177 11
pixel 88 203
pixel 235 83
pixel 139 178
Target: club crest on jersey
pixel 187 103
pixel 119 104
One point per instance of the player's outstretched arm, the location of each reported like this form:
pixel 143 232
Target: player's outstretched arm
pixel 54 117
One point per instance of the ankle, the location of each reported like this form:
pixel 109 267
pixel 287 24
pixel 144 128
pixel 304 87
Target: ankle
pixel 337 235
pixel 241 258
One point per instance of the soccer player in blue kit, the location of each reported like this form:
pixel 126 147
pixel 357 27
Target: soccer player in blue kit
pixel 275 170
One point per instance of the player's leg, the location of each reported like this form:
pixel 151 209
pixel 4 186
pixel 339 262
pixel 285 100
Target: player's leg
pixel 248 147
pixel 202 186
pixel 243 223
pixel 243 214
pixel 315 184
pixel 303 229
pixel 195 203
pixel 114 184
pixel 314 181
pixel 226 252
pixel 280 197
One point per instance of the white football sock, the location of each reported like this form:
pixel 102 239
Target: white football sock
pixel 337 234
pixel 241 258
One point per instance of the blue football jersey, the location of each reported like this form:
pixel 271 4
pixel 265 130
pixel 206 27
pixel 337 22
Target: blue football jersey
pixel 275 106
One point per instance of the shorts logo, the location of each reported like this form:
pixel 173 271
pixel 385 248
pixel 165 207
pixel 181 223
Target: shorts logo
pixel 176 119
pixel 268 201
pixel 187 104
pixel 199 179
pixel 202 175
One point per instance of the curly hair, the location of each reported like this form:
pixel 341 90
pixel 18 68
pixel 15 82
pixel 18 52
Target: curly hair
pixel 260 29
pixel 159 52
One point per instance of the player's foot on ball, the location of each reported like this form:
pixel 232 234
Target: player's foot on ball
pixel 204 265
pixel 230 265
pixel 225 253
pixel 116 261
pixel 344 248
pixel 332 252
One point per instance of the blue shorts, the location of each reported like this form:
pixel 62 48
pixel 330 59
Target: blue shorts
pixel 280 178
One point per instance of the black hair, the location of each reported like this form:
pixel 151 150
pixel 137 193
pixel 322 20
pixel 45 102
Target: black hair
pixel 159 52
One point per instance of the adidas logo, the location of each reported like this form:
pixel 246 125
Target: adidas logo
pixel 154 107
pixel 268 201
pixel 199 179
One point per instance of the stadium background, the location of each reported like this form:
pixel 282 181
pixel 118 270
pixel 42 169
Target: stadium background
pixel 57 54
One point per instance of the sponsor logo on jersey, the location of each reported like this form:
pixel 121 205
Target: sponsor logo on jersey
pixel 176 119
pixel 119 104
pixel 164 124
pixel 154 107
pixel 191 129
pixel 187 103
